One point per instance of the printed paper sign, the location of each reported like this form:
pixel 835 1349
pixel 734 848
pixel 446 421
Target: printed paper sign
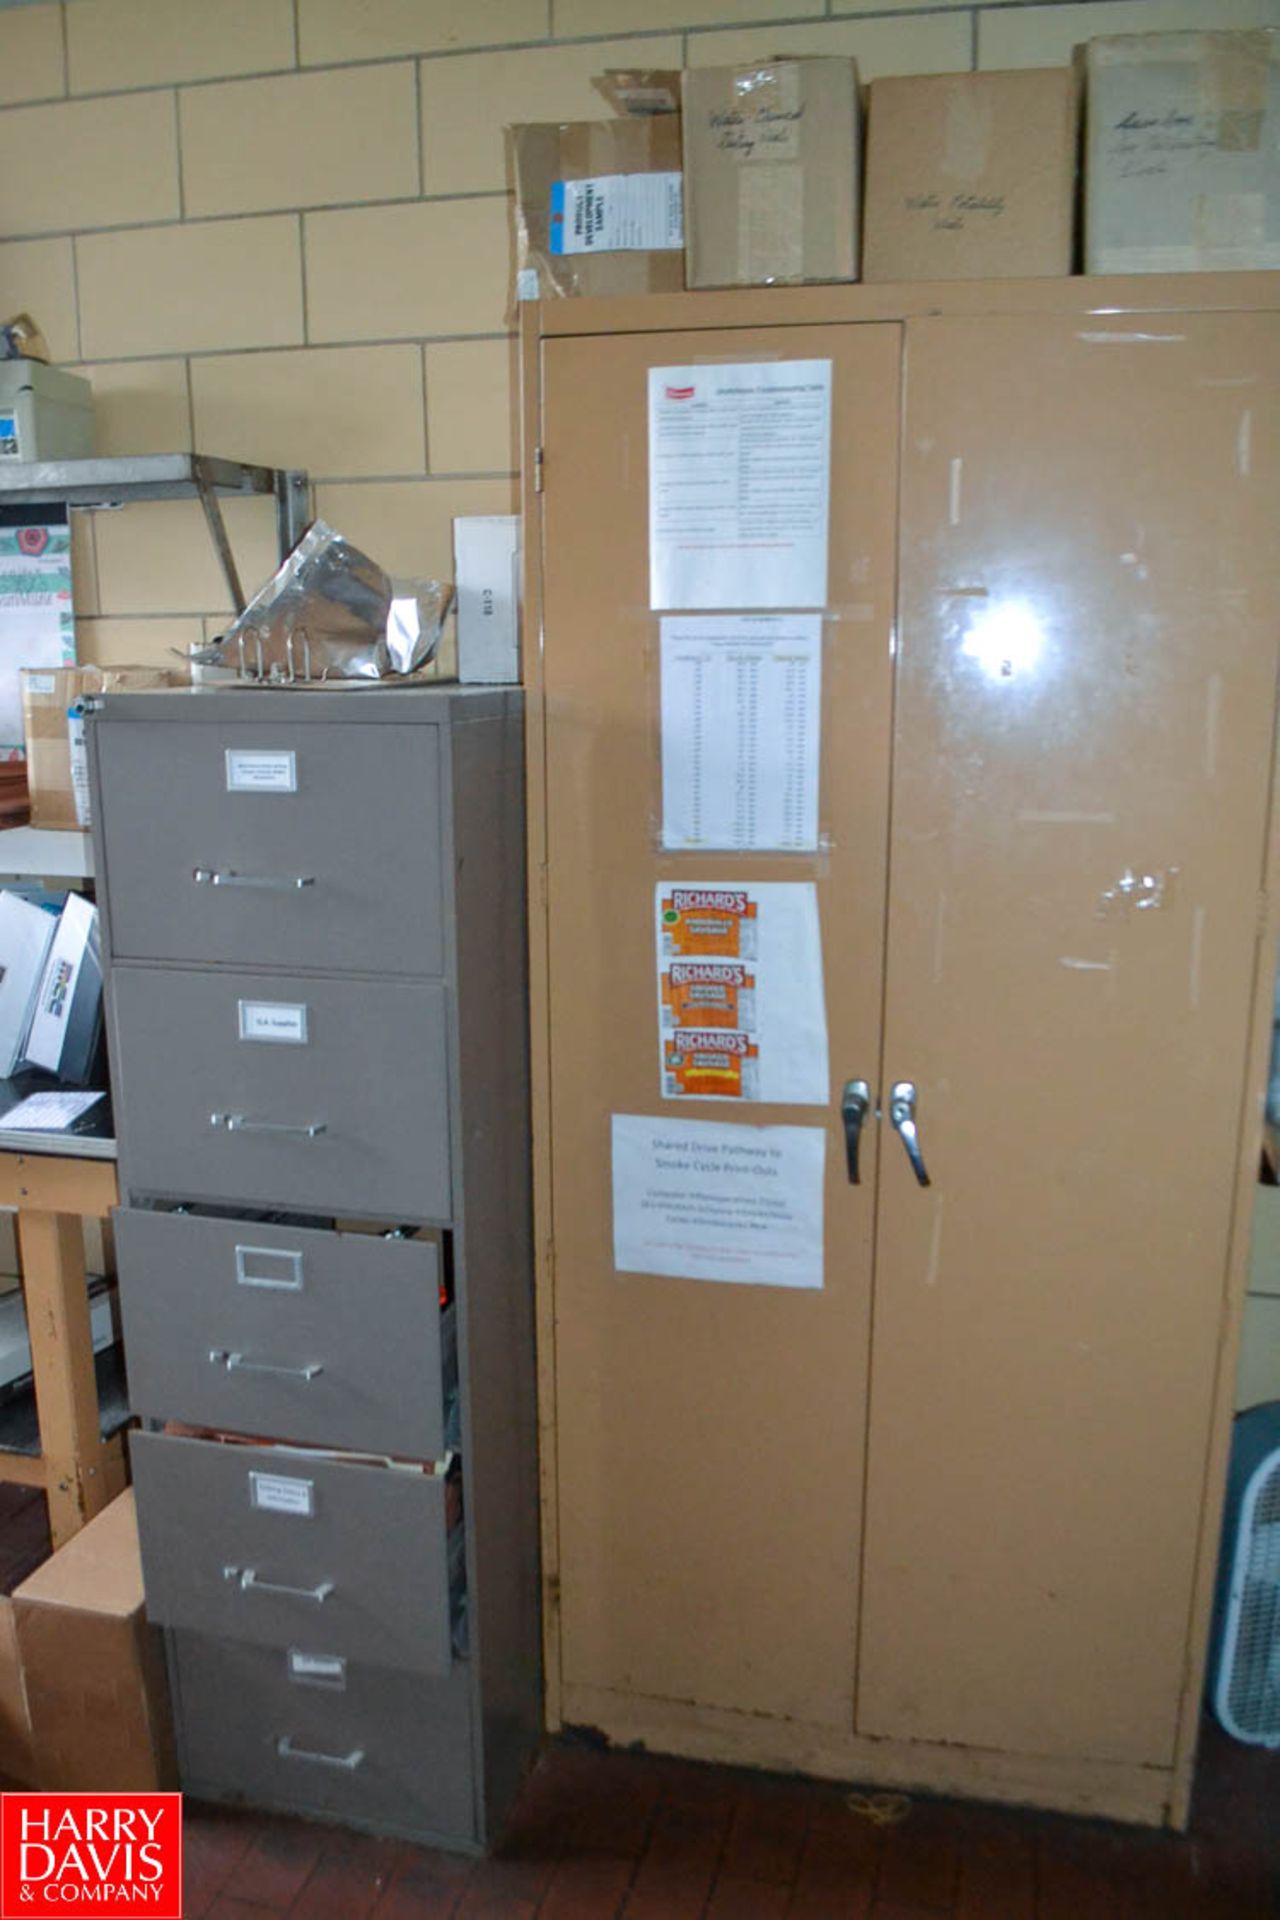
pixel 739 484
pixel 699 1201
pixel 256 771
pixel 617 213
pixel 741 697
pixel 741 1007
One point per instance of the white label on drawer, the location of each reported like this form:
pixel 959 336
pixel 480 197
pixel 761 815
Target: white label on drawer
pixel 281 1493
pixel 278 1020
pixel 258 771
pixel 317 1669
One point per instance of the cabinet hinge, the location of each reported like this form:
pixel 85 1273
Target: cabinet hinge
pixel 537 469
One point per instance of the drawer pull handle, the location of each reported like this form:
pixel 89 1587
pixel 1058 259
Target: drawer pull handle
pixel 270 882
pixel 236 1363
pixel 246 1578
pixel 348 1762
pixel 241 1123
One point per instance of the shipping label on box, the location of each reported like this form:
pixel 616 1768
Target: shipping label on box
pixel 486 558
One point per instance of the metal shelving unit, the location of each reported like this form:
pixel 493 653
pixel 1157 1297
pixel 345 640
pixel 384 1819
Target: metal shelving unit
pixel 163 476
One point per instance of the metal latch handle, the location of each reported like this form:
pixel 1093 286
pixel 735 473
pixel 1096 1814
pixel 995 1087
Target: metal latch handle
pixel 902 1116
pixel 246 1578
pixel 272 883
pixel 348 1762
pixel 855 1104
pixel 241 1123
pixel 236 1363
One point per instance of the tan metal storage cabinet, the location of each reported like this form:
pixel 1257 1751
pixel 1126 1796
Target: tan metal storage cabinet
pixel 951 1520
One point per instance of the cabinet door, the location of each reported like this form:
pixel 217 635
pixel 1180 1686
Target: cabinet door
pixel 1090 607
pixel 710 1436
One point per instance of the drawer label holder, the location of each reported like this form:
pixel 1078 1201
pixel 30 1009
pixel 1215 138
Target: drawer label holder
pixel 280 1022
pixel 282 1493
pixel 317 1669
pixel 262 770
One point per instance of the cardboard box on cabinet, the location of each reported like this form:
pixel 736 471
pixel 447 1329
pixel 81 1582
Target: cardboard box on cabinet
pixel 1182 152
pixel 598 207
pixel 57 766
pixel 971 175
pixel 93 1668
pixel 772 167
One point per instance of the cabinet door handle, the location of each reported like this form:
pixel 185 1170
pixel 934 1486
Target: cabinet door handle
pixel 246 1578
pixel 236 1363
pixel 269 882
pixel 348 1762
pixel 855 1104
pixel 902 1115
pixel 241 1123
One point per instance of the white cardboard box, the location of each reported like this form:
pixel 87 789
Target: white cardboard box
pixel 1182 164
pixel 486 558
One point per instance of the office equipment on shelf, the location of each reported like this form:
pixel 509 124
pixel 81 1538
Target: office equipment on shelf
pixel 314 961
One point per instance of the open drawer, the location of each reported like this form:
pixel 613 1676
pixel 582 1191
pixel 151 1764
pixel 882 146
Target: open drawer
pixel 283 1548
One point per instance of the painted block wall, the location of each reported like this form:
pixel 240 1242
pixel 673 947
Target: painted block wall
pixel 278 230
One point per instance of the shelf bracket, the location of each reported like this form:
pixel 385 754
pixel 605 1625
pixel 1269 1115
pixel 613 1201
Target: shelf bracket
pixel 218 531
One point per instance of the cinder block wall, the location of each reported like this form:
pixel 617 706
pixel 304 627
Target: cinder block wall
pixel 277 230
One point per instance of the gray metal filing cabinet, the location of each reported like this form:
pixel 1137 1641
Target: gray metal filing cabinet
pixel 313 921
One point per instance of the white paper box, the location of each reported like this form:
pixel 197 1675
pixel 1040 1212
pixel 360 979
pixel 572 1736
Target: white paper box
pixel 26 935
pixel 486 559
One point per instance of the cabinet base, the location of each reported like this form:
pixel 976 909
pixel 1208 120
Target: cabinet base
pixel 1143 1796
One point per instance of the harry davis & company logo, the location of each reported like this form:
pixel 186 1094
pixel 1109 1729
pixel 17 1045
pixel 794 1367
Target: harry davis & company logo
pixel 108 1854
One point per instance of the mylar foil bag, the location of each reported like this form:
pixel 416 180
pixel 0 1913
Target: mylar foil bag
pixel 332 613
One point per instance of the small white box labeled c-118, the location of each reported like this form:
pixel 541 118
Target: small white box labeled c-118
pixel 486 558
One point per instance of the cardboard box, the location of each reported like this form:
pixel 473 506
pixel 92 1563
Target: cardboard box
pixel 57 769
pixel 486 572
pixel 598 207
pixel 93 1669
pixel 17 1759
pixel 772 157
pixel 45 414
pixel 1182 156
pixel 970 176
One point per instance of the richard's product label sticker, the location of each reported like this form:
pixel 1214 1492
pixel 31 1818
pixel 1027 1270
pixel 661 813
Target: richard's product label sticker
pixel 618 213
pixel 255 770
pixel 708 993
pixel 282 1493
pixel 708 922
pixel 710 1064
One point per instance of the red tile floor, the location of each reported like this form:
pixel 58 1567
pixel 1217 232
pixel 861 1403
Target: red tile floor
pixel 619 1836
pixel 598 1835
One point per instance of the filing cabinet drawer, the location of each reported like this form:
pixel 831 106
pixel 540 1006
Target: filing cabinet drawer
pixel 285 1548
pixel 302 1728
pixel 269 844
pixel 328 1096
pixel 332 1338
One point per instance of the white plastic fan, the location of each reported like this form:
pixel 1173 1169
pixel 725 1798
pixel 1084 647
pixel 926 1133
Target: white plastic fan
pixel 1246 1682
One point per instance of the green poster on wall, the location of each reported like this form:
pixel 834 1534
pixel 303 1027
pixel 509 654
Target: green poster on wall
pixel 37 616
